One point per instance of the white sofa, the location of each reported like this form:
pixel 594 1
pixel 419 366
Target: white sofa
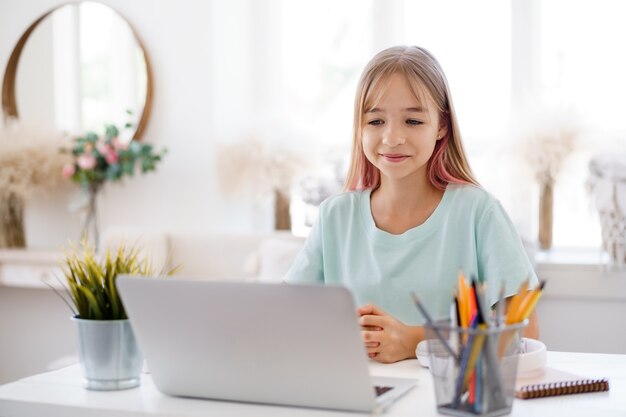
pixel 252 257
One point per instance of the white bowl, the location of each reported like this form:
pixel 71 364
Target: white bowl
pixel 421 352
pixel 532 357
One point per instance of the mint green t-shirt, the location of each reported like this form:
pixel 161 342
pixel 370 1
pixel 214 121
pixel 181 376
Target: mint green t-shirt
pixel 469 231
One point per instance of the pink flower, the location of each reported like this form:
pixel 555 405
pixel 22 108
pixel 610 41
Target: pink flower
pixel 103 148
pixel 111 156
pixel 68 170
pixel 86 161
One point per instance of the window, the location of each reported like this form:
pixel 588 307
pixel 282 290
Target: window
pixel 324 49
pixel 475 54
pixel 582 67
pixel 323 54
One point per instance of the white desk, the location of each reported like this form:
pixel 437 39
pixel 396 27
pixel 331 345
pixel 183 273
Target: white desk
pixel 60 393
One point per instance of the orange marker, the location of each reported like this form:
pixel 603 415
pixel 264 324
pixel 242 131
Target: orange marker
pixel 472 303
pixel 463 301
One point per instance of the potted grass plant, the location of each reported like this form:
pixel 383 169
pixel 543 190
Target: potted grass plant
pixel 109 355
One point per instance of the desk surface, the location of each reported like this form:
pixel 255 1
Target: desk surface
pixel 60 393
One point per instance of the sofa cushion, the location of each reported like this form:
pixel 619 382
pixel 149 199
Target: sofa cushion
pixel 153 245
pixel 276 254
pixel 245 257
pixel 215 257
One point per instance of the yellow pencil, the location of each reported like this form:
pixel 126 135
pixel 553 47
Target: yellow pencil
pixel 527 306
pixel 477 346
pixel 511 313
pixel 520 314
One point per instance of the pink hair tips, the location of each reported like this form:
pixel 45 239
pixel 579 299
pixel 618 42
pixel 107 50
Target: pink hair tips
pixel 438 174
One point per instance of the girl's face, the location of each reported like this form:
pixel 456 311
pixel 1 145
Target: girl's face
pixel 399 133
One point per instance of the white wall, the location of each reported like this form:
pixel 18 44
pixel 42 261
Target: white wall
pixel 204 91
pixel 582 308
pixel 36 332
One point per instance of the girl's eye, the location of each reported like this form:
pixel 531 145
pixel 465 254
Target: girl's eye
pixel 376 122
pixel 413 122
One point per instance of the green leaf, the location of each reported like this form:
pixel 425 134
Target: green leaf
pixel 128 168
pixel 91 303
pixel 111 131
pixel 134 147
pixel 147 165
pixel 146 149
pixel 124 154
pixel 113 172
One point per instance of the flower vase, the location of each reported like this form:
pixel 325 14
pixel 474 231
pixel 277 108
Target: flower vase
pixel 90 227
pixel 546 201
pixel 12 221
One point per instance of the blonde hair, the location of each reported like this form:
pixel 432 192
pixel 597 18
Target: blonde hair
pixel 448 163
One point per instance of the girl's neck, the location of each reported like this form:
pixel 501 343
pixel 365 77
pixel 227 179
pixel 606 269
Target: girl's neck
pixel 402 196
pixel 398 206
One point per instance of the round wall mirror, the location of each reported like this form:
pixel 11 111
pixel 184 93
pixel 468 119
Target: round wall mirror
pixel 76 68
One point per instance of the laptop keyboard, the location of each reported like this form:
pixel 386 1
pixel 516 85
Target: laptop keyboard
pixel 381 390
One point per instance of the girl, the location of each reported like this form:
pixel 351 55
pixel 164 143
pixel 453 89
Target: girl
pixel 413 214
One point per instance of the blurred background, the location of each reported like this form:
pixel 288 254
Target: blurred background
pixel 283 73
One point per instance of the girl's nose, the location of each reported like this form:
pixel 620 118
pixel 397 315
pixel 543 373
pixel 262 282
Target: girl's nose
pixel 393 137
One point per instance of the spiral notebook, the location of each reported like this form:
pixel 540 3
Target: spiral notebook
pixel 554 382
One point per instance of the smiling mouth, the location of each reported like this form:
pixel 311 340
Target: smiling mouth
pixel 394 157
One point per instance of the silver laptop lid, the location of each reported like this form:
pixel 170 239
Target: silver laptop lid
pixel 270 343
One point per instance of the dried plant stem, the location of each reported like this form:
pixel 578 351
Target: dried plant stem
pixel 282 218
pixel 12 221
pixel 546 197
pixel 29 160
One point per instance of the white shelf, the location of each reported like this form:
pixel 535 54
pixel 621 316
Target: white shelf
pixel 587 258
pixel 583 274
pixel 30 268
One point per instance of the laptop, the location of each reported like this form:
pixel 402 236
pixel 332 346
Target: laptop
pixel 295 345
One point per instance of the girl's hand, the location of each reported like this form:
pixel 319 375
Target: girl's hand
pixel 386 338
